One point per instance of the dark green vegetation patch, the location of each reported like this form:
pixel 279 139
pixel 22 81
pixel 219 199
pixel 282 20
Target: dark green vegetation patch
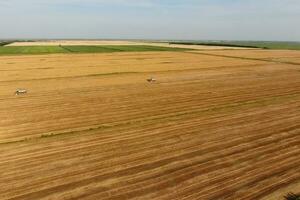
pixel 27 50
pixel 3 43
pixel 292 196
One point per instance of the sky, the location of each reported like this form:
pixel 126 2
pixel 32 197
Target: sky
pixel 268 20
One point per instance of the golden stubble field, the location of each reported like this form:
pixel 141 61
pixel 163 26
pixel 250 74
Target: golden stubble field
pixel 118 43
pixel 219 126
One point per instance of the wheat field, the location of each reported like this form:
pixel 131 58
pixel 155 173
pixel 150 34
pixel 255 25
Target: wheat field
pixel 215 125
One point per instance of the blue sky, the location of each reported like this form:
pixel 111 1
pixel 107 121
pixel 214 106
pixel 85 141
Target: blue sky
pixel 151 19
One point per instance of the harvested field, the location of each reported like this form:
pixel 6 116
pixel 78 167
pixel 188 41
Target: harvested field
pixel 267 54
pixel 92 127
pixel 288 56
pixel 117 43
pixel 252 44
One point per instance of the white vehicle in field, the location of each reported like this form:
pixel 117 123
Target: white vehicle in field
pixel 151 80
pixel 20 92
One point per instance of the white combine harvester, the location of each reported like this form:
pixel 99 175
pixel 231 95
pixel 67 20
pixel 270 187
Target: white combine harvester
pixel 151 80
pixel 20 92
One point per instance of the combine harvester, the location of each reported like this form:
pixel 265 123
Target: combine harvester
pixel 20 92
pixel 151 80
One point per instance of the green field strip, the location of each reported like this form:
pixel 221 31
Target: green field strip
pixel 28 50
pixel 33 50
